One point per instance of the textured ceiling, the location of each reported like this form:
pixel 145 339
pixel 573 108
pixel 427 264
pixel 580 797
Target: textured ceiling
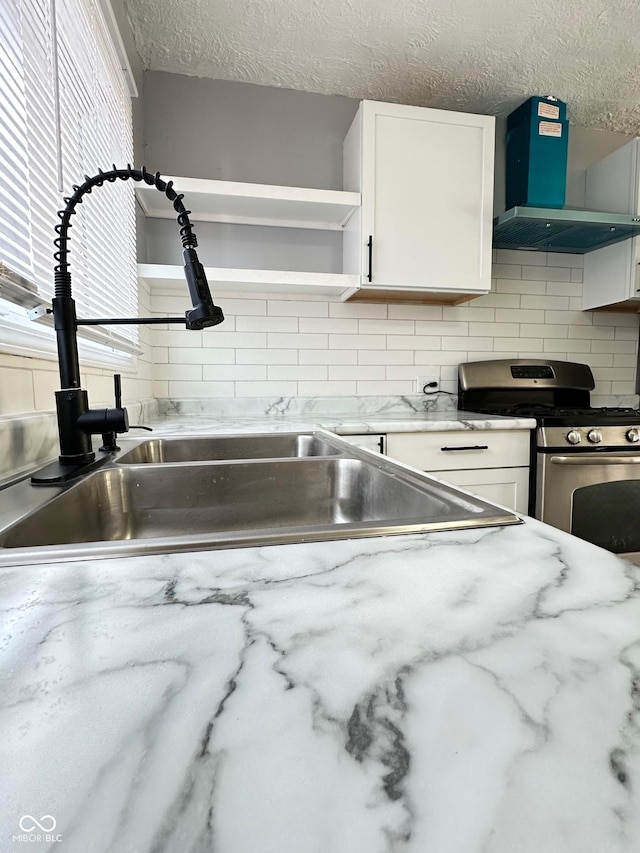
pixel 477 55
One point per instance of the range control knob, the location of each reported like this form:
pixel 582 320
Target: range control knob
pixel 633 435
pixel 594 436
pixel 574 437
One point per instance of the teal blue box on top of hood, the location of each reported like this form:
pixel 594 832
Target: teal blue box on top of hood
pixel 537 150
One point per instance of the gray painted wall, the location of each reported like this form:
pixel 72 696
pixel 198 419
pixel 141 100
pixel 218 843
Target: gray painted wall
pixel 242 132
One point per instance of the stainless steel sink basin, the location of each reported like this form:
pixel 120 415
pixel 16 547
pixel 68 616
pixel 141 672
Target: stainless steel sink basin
pixel 159 508
pixel 225 447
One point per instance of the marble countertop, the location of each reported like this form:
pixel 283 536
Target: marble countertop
pixel 457 692
pixel 472 692
pixel 342 423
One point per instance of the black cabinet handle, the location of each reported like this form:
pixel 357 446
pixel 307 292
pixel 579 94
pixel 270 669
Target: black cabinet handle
pixel 370 247
pixel 467 447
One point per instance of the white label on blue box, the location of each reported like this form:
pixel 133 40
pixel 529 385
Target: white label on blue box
pixel 549 128
pixel 547 110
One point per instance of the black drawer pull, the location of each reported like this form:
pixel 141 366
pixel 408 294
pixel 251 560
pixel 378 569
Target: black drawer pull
pixel 467 447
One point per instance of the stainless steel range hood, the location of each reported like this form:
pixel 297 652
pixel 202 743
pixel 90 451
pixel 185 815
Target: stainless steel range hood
pixel 561 230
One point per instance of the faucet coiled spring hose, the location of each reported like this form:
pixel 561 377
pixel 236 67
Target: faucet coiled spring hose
pixel 62 276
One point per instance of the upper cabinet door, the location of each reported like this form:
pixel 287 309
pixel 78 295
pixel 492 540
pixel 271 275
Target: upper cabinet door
pixel 426 178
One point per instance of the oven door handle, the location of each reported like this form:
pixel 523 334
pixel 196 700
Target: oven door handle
pixel 595 460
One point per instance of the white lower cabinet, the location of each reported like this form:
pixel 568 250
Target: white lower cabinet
pixel 494 464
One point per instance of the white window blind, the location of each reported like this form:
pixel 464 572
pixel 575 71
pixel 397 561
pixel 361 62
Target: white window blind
pixel 65 111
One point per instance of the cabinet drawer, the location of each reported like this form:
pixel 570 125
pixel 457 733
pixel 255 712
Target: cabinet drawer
pixel 506 486
pixel 451 451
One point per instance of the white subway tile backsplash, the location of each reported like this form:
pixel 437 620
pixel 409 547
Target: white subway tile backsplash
pixel 519 315
pixel 546 273
pixel 359 372
pixel 571 318
pixel 17 390
pixel 330 325
pixel 515 285
pixel 291 308
pixel 234 372
pixel 510 344
pixel 615 318
pixel 357 341
pixel 621 388
pixel 176 338
pixel 614 374
pixel 615 346
pixel 563 288
pixel 566 345
pixel 626 333
pixel 267 356
pixel 314 347
pixel 494 330
pixel 386 327
pixel 468 343
pixel 564 259
pixel 160 355
pixel 244 307
pixel 415 312
pixel 297 341
pixel 439 358
pixel 280 388
pixel 330 356
pixel 297 372
pixel 515 256
pixel 623 360
pixel 386 356
pixel 238 340
pixel 441 328
pixel 365 389
pixel 471 311
pixel 172 372
pixel 554 303
pixel 183 355
pixel 202 390
pixel 358 310
pixel 496 300
pixel 592 332
pixel 328 389
pixel 510 271
pixel 413 342
pixel 267 324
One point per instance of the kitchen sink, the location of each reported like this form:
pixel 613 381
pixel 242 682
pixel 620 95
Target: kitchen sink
pixel 326 489
pixel 225 447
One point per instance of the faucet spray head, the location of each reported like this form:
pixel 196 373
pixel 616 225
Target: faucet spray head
pixel 204 313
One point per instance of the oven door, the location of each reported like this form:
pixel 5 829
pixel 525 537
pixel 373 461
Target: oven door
pixel 595 496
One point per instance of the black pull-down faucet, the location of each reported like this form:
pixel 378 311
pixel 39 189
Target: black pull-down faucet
pixel 76 421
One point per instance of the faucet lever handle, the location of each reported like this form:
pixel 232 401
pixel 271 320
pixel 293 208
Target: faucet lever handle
pixel 117 388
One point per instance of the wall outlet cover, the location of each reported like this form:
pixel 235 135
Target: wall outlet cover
pixel 427 384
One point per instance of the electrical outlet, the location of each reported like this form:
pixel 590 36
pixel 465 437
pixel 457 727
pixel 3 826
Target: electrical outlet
pixel 427 384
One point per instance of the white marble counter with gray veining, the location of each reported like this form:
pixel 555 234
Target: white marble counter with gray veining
pixel 343 423
pixel 467 692
pixel 470 692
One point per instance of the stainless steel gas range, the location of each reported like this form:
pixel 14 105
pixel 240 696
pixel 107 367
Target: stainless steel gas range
pixel 585 461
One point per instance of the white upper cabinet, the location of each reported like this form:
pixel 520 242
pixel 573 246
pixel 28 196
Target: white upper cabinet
pixel 611 275
pixel 423 232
